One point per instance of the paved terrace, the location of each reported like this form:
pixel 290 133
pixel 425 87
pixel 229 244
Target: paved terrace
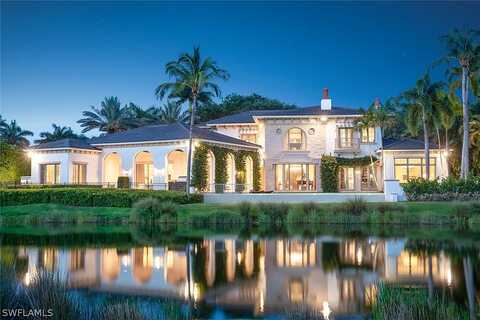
pixel 231 198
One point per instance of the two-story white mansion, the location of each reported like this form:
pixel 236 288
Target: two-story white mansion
pixel 290 145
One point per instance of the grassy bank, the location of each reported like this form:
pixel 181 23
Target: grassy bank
pixel 353 212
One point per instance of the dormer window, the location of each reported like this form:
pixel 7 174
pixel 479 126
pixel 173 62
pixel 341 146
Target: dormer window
pixel 296 139
pixel 368 135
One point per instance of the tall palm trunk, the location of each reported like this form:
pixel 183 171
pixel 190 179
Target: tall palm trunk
pixel 190 143
pixel 470 284
pixel 465 166
pixel 447 151
pixel 427 145
pixel 439 141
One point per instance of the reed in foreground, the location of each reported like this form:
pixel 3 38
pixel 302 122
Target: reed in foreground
pixel 396 303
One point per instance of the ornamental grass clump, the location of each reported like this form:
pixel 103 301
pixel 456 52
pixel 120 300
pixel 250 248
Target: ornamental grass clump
pixel 152 211
pixel 247 212
pixel 273 213
pixel 355 207
pixel 397 303
pixel 47 291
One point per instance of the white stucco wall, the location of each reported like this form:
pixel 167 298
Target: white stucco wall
pixel 93 166
pixel 39 158
pixel 65 158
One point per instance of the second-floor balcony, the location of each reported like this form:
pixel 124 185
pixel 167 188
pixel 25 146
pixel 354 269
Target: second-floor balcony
pixel 347 144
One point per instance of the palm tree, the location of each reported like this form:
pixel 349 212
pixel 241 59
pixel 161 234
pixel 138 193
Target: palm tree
pixel 110 117
pixel 193 81
pixel 172 112
pixel 375 116
pixel 58 133
pixel 420 110
pixel 13 134
pixel 463 50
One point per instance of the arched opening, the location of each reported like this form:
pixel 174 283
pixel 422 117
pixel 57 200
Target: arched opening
pixel 112 169
pixel 248 174
pixel 230 181
pixel 210 172
pixel 296 139
pixel 143 170
pixel 177 170
pixel 142 264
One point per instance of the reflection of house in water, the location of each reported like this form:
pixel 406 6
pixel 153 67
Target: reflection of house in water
pixel 144 270
pixel 261 276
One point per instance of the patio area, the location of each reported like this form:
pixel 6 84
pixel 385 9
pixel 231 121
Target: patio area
pixel 231 198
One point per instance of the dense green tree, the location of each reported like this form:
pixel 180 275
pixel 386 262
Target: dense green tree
pixel 58 133
pixel 13 163
pixel 463 50
pixel 110 117
pixel 235 103
pixel 13 134
pixel 193 80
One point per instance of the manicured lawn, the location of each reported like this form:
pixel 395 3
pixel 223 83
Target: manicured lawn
pixel 395 213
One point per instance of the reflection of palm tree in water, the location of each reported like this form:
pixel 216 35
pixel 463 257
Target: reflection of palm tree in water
pixel 470 284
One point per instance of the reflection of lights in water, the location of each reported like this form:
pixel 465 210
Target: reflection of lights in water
pixel 359 256
pixel 239 257
pixel 158 262
pixel 449 277
pixel 28 279
pixel 194 290
pixel 262 302
pixel 125 261
pixel 296 258
pixel 326 311
pixel 261 263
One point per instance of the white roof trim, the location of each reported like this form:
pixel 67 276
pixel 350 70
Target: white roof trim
pixel 63 148
pixel 231 124
pixel 171 141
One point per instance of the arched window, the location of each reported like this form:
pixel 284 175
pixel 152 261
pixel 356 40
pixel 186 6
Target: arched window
pixel 296 139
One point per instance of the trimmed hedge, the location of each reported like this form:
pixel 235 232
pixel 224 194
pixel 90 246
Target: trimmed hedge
pixel 88 197
pixel 443 190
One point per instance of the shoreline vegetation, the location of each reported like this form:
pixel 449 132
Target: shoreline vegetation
pixel 154 212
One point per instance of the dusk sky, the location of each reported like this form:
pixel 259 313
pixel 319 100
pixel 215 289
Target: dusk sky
pixel 57 59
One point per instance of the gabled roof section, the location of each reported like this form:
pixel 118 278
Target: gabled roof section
pixel 249 116
pixel 406 144
pixel 65 144
pixel 166 132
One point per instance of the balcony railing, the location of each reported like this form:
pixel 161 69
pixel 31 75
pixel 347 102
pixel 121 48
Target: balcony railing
pixel 347 145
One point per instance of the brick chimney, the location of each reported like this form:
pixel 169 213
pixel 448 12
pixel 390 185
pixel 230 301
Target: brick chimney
pixel 326 103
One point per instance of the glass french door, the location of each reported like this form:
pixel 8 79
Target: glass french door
pixel 295 177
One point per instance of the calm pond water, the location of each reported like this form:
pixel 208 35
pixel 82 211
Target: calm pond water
pixel 253 274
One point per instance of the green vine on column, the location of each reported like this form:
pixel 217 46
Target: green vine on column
pixel 200 166
pixel 329 173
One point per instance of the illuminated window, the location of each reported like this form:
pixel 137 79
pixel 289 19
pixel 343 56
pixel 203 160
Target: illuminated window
pixel 368 135
pixel 296 139
pixel 79 173
pixel 295 177
pixel 50 173
pixel 250 137
pixel 345 137
pixel 411 168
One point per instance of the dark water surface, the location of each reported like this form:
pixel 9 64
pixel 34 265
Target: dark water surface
pixel 252 273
